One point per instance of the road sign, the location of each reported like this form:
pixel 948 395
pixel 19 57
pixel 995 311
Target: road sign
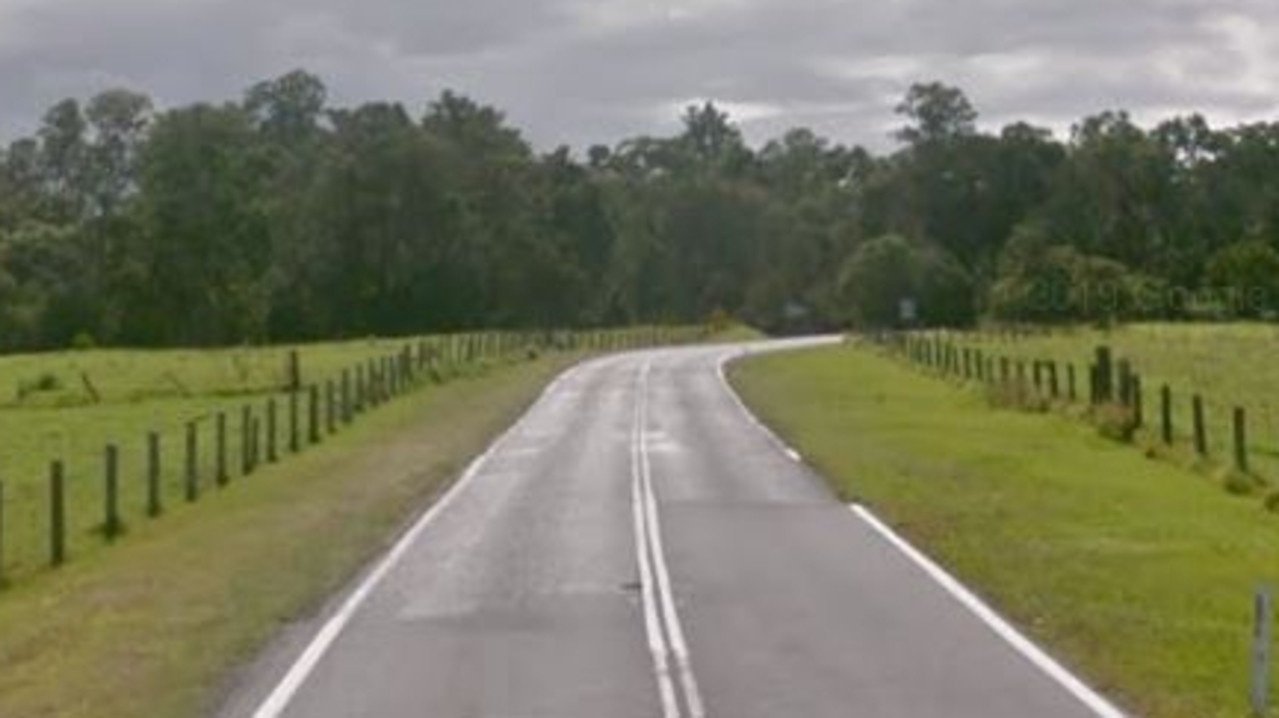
pixel 907 311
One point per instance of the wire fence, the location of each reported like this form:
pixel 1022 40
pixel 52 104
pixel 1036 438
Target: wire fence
pixel 169 454
pixel 1110 390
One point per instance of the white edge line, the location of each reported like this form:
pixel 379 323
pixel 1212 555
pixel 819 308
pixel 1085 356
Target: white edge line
pixel 1031 652
pixel 297 674
pixel 785 448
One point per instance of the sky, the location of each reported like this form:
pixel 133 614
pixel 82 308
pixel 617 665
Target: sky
pixel 581 72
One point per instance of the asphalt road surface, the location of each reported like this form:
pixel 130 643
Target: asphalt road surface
pixel 638 547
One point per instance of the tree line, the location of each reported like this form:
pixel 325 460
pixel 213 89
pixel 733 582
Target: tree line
pixel 280 217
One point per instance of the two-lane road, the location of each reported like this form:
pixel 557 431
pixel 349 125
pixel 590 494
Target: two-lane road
pixel 636 547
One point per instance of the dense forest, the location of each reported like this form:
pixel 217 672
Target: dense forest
pixel 280 217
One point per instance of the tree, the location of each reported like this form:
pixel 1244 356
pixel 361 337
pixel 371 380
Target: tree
pixel 1043 282
pixel 63 159
pixel 711 142
pixel 119 119
pixel 887 271
pixel 287 110
pixel 21 181
pixel 281 217
pixel 1245 276
pixel 206 248
pixel 938 113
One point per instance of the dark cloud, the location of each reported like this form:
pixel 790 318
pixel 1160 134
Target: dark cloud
pixel 582 71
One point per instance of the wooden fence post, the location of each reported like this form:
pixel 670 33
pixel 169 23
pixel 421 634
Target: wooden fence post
pixel 1165 413
pixel 220 474
pixel 294 371
pixel 272 455
pixel 154 500
pixel 111 523
pixel 57 515
pixel 330 406
pixel 295 443
pixel 246 439
pixel 346 396
pixel 1201 438
pixel 1105 390
pixel 313 392
pixel 359 388
pixel 1241 439
pixel 192 463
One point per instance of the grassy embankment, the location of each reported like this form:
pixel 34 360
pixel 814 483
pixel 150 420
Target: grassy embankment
pixel 1137 572
pixel 1229 365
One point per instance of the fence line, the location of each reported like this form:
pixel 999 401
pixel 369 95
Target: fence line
pixel 1115 394
pixel 60 524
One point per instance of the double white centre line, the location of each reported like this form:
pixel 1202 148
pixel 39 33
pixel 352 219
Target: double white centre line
pixel 661 619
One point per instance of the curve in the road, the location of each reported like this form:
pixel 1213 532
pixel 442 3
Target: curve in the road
pixel 639 545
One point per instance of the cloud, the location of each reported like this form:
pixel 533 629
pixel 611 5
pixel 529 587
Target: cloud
pixel 584 71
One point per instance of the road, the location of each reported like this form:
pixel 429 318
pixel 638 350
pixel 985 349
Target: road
pixel 637 547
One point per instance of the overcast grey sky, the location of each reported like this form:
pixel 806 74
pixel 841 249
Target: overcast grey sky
pixel 585 71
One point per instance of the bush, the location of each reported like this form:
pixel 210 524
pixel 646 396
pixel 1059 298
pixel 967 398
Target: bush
pixel 719 320
pixel 1115 422
pixel 1018 395
pixel 884 272
pixel 46 382
pixel 1239 483
pixel 1246 277
pixel 1046 282
pixel 83 341
pixel 1272 502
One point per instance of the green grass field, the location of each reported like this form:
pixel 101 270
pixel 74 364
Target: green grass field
pixel 137 392
pixel 1137 572
pixel 1229 365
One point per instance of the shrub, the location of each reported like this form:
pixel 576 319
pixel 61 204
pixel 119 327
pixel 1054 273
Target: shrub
pixel 1239 483
pixel 1272 502
pixel 46 382
pixel 1018 395
pixel 1115 422
pixel 719 320
pixel 83 341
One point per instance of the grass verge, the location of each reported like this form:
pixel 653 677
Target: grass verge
pixel 154 628
pixel 1228 364
pixel 1138 573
